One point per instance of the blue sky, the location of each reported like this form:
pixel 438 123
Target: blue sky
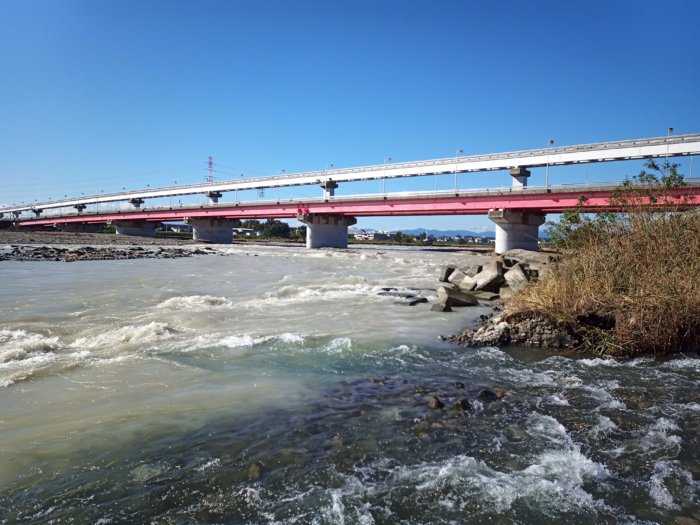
pixel 100 95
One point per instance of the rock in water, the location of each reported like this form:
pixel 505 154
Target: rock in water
pixel 462 404
pixel 435 403
pixel 487 395
pixel 256 471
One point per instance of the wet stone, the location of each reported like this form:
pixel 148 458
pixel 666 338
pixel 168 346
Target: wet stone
pixel 462 405
pixel 255 471
pixel 487 395
pixel 516 433
pixel 435 403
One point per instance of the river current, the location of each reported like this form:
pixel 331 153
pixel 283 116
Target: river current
pixel 275 385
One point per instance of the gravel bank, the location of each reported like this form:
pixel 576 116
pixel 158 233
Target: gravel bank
pixel 70 247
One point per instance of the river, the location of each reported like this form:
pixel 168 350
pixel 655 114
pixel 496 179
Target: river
pixel 274 385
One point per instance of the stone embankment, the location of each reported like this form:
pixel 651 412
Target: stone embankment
pixel 495 282
pixel 70 247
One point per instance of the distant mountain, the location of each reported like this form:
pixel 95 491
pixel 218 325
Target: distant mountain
pixel 450 233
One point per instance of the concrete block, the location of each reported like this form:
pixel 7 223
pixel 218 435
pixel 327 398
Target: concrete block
pixel 456 277
pixel 445 273
pixel 440 307
pixel 452 297
pixel 485 296
pixel 515 277
pixel 491 277
pixel 467 284
pixel 473 270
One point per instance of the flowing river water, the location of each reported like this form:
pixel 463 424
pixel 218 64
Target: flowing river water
pixel 274 385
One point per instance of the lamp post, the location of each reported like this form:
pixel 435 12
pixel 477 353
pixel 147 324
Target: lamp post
pixel 668 137
pixel 546 170
pixel 386 159
pixel 277 189
pixel 457 154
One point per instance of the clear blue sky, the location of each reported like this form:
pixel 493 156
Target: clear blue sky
pixel 100 95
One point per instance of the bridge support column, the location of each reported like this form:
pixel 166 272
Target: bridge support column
pixel 520 176
pixel 329 188
pixel 516 229
pixel 217 231
pixel 326 231
pixel 136 228
pixel 80 227
pixel 214 197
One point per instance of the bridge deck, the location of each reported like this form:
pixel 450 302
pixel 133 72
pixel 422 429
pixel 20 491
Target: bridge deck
pixel 443 203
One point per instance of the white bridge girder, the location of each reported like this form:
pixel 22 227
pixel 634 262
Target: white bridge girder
pixel 672 146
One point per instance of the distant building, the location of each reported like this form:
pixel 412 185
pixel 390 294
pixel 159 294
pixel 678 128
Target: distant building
pixel 363 235
pixel 248 232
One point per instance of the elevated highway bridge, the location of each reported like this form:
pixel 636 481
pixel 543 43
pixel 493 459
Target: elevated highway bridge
pixel 518 211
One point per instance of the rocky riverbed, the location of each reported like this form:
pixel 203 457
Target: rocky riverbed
pixel 493 283
pixel 70 247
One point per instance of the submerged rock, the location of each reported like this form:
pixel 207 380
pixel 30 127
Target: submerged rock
pixel 256 471
pixel 435 403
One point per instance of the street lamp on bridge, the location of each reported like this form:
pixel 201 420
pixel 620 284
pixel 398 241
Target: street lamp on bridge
pixel 550 142
pixel 457 154
pixel 386 159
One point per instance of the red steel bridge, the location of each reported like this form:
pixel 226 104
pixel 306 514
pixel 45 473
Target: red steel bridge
pixel 518 211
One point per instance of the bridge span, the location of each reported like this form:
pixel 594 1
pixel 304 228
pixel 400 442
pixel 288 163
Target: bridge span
pixel 517 212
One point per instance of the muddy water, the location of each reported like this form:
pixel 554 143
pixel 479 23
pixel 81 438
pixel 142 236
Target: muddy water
pixel 273 385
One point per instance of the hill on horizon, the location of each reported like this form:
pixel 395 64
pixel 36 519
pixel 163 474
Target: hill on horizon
pixel 450 233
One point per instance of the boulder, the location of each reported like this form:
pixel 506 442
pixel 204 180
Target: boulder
pixel 462 405
pixel 515 277
pixel 490 278
pixel 435 403
pixel 445 273
pixel 256 471
pixel 412 301
pixel 453 297
pixel 487 395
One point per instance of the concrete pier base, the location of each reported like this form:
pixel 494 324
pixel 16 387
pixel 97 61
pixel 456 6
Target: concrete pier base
pixel 516 229
pixel 136 228
pixel 218 231
pixel 326 231
pixel 79 227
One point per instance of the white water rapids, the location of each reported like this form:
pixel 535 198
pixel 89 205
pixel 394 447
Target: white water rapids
pixel 143 390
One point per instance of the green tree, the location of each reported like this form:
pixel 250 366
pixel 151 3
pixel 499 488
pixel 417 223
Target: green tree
pixel 252 224
pixel 275 228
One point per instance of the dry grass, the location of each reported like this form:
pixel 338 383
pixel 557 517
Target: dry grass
pixel 631 286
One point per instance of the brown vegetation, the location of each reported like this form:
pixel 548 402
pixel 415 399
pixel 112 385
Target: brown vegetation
pixel 630 282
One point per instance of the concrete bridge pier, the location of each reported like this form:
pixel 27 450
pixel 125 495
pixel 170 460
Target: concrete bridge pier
pixel 136 228
pixel 326 231
pixel 213 230
pixel 516 229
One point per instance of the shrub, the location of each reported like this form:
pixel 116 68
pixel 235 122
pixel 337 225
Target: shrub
pixel 630 280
